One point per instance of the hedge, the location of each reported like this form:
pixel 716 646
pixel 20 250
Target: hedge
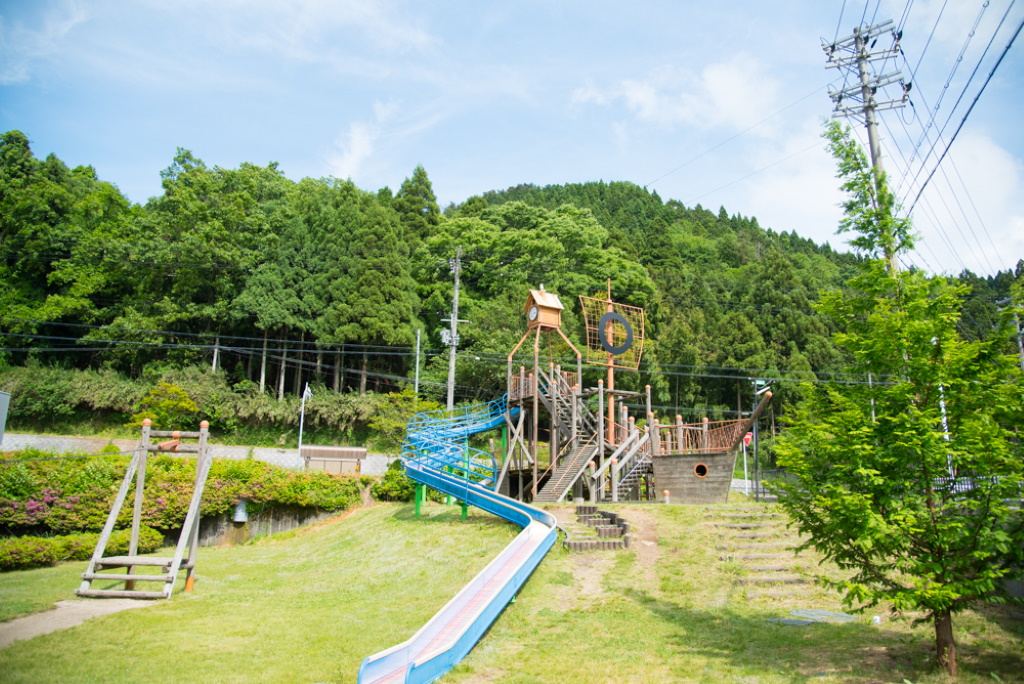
pixel 75 494
pixel 23 553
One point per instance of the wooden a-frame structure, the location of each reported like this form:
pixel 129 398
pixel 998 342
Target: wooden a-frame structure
pixel 188 540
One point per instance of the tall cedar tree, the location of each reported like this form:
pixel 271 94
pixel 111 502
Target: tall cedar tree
pixel 908 481
pixel 416 204
pixel 380 306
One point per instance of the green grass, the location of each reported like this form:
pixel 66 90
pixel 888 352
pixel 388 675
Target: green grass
pixel 309 606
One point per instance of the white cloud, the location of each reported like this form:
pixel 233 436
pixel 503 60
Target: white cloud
pixel 308 30
pixel 357 143
pixel 22 46
pixel 356 146
pixel 734 93
pixel 972 213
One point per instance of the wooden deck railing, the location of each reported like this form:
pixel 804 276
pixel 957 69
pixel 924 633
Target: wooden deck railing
pixel 522 384
pixel 704 437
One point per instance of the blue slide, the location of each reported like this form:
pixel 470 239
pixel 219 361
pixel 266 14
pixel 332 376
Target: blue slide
pixel 436 454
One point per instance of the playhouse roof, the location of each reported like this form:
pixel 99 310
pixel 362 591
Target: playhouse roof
pixel 543 298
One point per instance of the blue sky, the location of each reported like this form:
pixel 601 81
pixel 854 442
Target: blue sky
pixel 713 103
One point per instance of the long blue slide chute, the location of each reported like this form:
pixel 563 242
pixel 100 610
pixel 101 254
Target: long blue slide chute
pixel 436 454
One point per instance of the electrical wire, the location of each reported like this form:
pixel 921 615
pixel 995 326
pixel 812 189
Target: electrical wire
pixel 966 115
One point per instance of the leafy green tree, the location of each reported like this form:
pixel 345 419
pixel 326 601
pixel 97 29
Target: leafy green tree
pixel 166 405
pixel 907 482
pixel 379 308
pixel 393 416
pixel 416 204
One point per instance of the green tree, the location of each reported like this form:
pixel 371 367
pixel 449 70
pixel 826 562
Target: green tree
pixel 379 308
pixel 416 204
pixel 166 405
pixel 906 481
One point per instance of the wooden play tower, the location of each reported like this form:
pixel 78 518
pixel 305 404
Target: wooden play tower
pixel 594 449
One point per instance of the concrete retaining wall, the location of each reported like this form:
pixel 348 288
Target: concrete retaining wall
pixel 222 530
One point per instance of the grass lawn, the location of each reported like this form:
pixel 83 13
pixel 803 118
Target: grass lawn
pixel 309 606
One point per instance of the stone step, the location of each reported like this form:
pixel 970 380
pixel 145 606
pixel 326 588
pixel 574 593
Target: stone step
pixel 757 535
pixel 770 595
pixel 779 547
pixel 595 544
pixel 773 580
pixel 765 545
pixel 770 568
pixel 773 516
pixel 744 526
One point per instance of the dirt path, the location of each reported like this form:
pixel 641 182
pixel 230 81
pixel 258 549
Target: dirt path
pixel 67 614
pixel 645 542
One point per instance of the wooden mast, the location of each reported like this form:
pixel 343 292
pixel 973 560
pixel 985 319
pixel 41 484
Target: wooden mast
pixel 610 385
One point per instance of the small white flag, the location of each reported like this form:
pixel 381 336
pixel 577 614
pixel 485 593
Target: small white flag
pixel 308 394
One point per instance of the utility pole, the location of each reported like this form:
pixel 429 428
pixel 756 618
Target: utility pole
pixel 858 100
pixel 451 336
pixel 416 386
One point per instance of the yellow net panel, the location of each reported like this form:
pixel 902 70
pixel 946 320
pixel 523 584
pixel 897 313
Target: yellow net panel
pixel 615 329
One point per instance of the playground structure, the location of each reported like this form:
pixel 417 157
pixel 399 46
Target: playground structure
pixel 596 458
pixel 188 540
pixel 595 450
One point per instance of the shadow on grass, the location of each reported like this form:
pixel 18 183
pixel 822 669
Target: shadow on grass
pixel 854 651
pixel 439 513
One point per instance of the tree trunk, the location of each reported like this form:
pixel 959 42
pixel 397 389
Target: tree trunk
pixel 216 348
pixel 319 364
pixel 945 647
pixel 263 364
pixel 298 366
pixel 280 377
pixel 337 373
pixel 362 376
pixel 248 366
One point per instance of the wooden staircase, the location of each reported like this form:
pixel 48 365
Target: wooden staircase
pixel 169 567
pixel 641 468
pixel 558 484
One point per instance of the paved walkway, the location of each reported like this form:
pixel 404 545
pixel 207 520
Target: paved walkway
pixel 67 614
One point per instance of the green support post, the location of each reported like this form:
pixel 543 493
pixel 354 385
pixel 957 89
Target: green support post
pixel 465 509
pixel 421 493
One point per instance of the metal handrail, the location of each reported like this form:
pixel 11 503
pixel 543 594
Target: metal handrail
pixel 440 439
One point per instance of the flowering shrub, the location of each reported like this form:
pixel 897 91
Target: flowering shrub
pixel 75 495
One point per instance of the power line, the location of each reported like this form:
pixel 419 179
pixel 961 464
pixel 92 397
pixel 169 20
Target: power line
pixel 966 115
pixel 729 140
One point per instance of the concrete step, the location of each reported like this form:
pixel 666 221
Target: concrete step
pixel 770 568
pixel 773 580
